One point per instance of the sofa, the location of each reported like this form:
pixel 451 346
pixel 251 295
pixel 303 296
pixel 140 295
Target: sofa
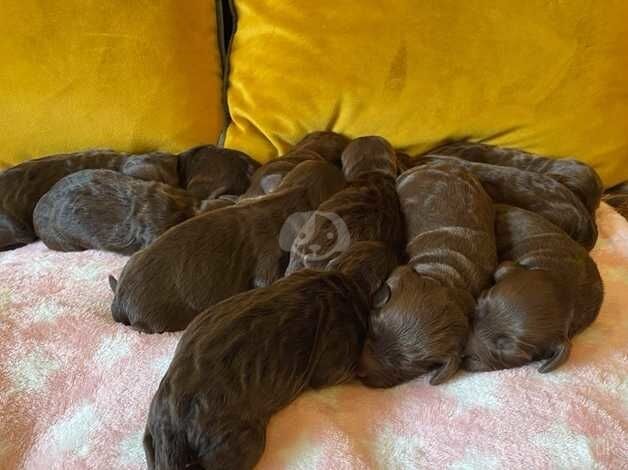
pixel 257 75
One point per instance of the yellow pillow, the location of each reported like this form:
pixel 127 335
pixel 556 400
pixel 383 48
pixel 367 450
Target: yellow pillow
pixel 129 75
pixel 548 77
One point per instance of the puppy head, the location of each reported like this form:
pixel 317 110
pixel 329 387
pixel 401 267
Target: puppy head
pixel 322 179
pixel 208 171
pixel 522 318
pixel 368 264
pixel 367 155
pixel 327 144
pixel 416 327
pixel 154 166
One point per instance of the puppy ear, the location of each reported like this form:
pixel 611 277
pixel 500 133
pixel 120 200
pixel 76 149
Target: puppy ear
pixel 270 182
pixel 503 269
pixel 381 296
pixel 445 371
pixel 113 283
pixel 558 357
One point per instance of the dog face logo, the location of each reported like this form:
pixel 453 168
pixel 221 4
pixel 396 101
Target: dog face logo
pixel 315 236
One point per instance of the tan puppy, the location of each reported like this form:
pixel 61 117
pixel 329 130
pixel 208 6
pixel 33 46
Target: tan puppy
pixel 420 324
pixel 547 289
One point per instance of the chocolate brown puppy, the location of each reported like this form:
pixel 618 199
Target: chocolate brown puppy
pixel 210 172
pixel 423 325
pixel 106 210
pixel 532 191
pixel 216 255
pixel 327 144
pixel 221 389
pixel 577 176
pixel 268 177
pixel 367 209
pixel 617 196
pixel 23 185
pixel 547 289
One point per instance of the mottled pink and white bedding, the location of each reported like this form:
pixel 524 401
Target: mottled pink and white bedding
pixel 75 387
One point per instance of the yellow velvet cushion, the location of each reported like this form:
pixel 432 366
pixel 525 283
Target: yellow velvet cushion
pixel 130 75
pixel 548 77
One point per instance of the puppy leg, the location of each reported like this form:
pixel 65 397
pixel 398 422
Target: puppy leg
pixel 239 446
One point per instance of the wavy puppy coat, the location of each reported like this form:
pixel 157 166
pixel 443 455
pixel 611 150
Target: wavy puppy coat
pixel 579 177
pixel 23 185
pixel 214 256
pixel 214 403
pixel 208 172
pixel 532 191
pixel 324 145
pixel 106 210
pixel 421 324
pixel 268 177
pixel 547 290
pixel 366 210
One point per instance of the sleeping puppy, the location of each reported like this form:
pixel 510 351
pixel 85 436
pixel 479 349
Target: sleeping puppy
pixel 216 255
pixel 23 185
pixel 422 322
pixel 106 210
pixel 327 144
pixel 617 196
pixel 214 403
pixel 268 177
pixel 532 191
pixel 547 289
pixel 577 176
pixel 368 209
pixel 208 172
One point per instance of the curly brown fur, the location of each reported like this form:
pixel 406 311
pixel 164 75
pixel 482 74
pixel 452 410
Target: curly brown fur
pixel 23 185
pixel 221 389
pixel 215 255
pixel 577 176
pixel 208 171
pixel 327 144
pixel 367 209
pixel 532 191
pixel 617 197
pixel 421 323
pixel 268 177
pixel 106 210
pixel 547 289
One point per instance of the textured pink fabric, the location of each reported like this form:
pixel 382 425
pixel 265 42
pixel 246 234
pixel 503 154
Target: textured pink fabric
pixel 75 387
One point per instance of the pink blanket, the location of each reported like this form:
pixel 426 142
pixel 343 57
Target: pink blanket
pixel 75 387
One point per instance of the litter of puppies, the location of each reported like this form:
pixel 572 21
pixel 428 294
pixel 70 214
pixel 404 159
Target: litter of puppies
pixel 342 260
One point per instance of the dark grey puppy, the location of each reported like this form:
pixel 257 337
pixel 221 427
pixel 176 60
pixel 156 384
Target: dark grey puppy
pixel 214 256
pixel 208 172
pixel 547 289
pixel 268 177
pixel 367 209
pixel 106 210
pixel 23 185
pixel 421 324
pixel 244 359
pixel 577 176
pixel 532 191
